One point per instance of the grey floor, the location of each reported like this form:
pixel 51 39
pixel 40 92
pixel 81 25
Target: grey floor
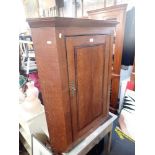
pixel 118 146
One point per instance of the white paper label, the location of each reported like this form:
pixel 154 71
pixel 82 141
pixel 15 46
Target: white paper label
pixel 60 35
pixel 49 42
pixel 91 40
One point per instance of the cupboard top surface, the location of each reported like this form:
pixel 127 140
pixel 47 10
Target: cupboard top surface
pixel 69 22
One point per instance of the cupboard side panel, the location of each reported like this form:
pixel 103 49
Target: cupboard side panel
pixel 50 80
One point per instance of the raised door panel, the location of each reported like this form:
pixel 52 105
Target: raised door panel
pixel 89 62
pixel 88 70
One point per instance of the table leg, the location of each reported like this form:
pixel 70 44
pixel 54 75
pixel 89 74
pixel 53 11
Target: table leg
pixel 107 141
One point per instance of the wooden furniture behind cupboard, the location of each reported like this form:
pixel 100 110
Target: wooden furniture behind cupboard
pixel 118 13
pixel 74 66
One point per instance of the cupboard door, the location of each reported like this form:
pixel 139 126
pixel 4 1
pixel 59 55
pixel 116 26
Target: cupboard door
pixel 88 70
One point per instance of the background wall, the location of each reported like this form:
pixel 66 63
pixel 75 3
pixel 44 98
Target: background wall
pixel 46 8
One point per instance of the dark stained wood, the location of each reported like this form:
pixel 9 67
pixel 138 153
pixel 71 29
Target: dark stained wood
pixel 66 54
pixel 68 22
pixel 86 64
pixel 117 12
pixel 81 31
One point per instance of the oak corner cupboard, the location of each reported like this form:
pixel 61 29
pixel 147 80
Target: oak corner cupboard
pixel 74 65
